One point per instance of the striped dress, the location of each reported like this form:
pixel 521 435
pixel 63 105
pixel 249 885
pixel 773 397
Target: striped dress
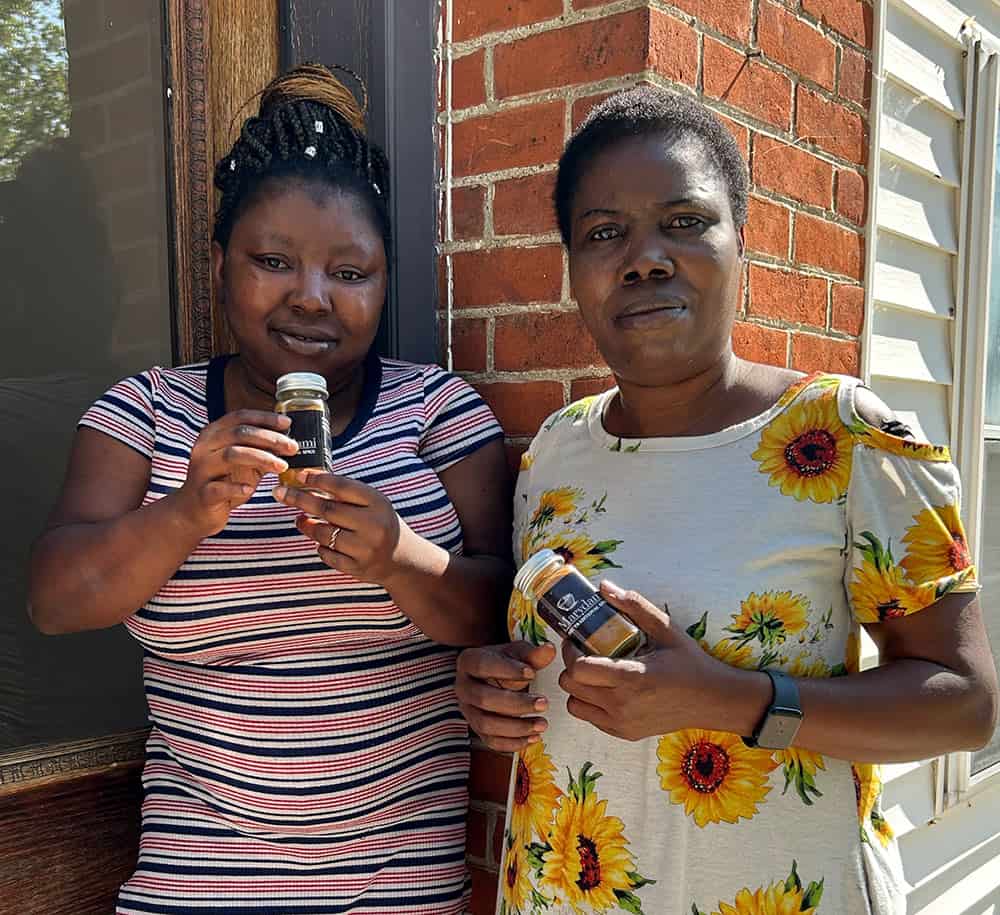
pixel 307 755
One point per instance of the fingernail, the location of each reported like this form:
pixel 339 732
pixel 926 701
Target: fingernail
pixel 534 738
pixel 279 492
pixel 540 726
pixel 611 588
pixel 541 704
pixel 528 673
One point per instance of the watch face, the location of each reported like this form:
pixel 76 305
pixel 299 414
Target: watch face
pixel 779 729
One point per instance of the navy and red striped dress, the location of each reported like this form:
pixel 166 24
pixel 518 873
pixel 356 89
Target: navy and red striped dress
pixel 307 755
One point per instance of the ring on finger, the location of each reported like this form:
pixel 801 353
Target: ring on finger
pixel 331 543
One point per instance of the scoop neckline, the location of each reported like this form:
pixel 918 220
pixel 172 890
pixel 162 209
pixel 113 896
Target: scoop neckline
pixel 726 436
pixel 215 394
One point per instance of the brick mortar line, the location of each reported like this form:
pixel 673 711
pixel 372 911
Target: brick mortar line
pixel 506 311
pixel 745 119
pixel 507 174
pixel 794 75
pixel 805 16
pixel 491 334
pixel 804 270
pixel 559 375
pixel 572 94
pixel 489 232
pixel 489 80
pixel 829 328
pixel 810 209
pixel 699 76
pixel 543 26
pixel 500 241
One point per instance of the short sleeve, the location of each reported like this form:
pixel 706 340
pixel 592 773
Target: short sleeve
pixel 906 544
pixel 126 413
pixel 457 421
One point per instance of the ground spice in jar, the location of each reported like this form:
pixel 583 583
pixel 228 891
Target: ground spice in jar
pixel 301 396
pixel 574 608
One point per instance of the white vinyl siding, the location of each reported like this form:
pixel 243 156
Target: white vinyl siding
pixel 917 211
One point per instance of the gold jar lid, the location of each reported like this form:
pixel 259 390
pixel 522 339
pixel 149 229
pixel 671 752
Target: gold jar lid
pixel 301 381
pixel 533 567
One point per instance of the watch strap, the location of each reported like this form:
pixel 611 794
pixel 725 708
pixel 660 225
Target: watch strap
pixel 783 716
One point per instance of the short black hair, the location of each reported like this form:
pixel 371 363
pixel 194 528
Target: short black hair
pixel 309 129
pixel 643 111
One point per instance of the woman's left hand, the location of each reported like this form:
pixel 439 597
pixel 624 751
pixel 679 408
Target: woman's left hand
pixel 669 686
pixel 357 529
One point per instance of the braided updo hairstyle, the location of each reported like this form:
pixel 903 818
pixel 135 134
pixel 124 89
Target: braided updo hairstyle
pixel 309 129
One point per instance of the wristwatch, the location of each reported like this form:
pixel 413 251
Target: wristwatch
pixel 780 724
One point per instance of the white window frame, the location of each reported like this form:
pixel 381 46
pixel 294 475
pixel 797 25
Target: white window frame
pixel 969 392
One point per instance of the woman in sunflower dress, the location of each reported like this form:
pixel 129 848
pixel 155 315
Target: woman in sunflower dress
pixel 759 519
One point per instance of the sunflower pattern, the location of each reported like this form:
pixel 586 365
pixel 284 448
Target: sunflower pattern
pixel 785 897
pixel 936 547
pixel 575 411
pixel 581 859
pixel 806 450
pixel 535 796
pixel 714 775
pixel 847 526
pixel 882 589
pixel 901 447
pixel 770 617
pixel 868 791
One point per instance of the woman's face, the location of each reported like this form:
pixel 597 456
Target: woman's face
pixel 654 258
pixel 303 281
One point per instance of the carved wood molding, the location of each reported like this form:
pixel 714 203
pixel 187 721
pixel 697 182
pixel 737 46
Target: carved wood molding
pixel 33 765
pixel 189 119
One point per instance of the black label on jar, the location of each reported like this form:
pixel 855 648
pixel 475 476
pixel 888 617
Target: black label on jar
pixel 312 431
pixel 574 610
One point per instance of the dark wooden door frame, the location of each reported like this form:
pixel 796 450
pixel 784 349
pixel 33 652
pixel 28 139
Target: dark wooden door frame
pixel 390 44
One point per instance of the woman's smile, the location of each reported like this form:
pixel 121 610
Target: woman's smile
pixel 304 342
pixel 650 313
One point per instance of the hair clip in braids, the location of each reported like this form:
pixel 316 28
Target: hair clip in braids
pixel 378 190
pixel 232 164
pixel 310 152
pixel 318 127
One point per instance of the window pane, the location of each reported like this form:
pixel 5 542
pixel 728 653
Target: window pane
pixel 85 301
pixel 989 572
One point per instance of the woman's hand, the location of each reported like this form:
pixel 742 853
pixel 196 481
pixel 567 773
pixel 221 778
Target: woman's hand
pixel 227 461
pixel 670 686
pixel 356 527
pixel 491 683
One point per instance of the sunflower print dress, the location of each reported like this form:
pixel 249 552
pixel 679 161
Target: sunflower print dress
pixel 772 542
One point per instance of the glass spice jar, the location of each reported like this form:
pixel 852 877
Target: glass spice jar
pixel 574 608
pixel 301 396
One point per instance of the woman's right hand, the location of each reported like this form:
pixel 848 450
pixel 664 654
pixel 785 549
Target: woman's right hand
pixel 492 682
pixel 227 461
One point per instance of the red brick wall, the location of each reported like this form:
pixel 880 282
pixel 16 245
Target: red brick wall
pixel 790 78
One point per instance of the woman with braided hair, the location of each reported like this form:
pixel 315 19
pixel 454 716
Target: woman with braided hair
pixel 307 754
